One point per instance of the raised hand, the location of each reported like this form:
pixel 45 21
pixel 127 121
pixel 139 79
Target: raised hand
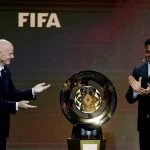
pixel 136 85
pixel 40 87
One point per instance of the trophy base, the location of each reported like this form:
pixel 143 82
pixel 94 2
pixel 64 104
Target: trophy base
pixel 78 144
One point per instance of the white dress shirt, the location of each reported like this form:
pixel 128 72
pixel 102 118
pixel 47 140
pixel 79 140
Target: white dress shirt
pixel 1 68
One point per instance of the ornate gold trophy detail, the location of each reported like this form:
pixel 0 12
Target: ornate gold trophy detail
pixel 88 99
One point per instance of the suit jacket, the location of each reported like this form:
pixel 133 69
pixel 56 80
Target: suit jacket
pixel 8 98
pixel 143 101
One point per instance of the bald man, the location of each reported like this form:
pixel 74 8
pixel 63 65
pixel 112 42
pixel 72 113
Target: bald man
pixel 12 100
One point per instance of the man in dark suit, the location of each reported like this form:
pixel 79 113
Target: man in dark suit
pixel 11 99
pixel 139 90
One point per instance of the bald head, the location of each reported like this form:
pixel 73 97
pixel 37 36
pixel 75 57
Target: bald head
pixel 4 44
pixel 6 52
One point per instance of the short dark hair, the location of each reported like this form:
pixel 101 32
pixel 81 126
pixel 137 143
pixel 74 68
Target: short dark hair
pixel 147 42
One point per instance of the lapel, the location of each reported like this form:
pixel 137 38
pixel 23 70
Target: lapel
pixel 3 88
pixel 5 80
pixel 144 71
pixel 7 75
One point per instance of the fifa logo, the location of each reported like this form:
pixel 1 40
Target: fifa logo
pixel 38 20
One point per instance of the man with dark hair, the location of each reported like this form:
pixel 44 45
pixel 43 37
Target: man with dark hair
pixel 147 42
pixel 11 99
pixel 139 90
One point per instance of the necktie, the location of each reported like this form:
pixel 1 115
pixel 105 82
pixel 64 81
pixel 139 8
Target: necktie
pixel 4 79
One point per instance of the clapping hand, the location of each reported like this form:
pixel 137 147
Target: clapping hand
pixel 146 91
pixel 136 86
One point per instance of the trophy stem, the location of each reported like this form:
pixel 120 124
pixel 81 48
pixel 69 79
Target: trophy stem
pixel 87 131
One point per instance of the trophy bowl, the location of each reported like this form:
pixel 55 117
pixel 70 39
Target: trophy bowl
pixel 88 98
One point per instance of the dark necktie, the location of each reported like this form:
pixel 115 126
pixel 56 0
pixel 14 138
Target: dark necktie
pixel 4 79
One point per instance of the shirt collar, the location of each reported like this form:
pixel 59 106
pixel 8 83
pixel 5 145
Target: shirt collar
pixel 1 68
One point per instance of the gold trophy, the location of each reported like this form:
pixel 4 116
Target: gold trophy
pixel 88 99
